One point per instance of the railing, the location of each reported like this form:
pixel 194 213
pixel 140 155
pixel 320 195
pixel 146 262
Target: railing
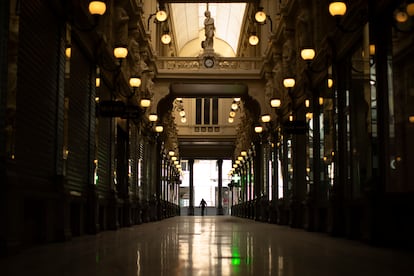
pixel 174 64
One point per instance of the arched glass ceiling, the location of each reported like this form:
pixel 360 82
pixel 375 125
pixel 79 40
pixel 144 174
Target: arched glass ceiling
pixel 188 24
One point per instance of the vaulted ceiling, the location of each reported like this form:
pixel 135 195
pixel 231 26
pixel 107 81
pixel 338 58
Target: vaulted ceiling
pixel 188 25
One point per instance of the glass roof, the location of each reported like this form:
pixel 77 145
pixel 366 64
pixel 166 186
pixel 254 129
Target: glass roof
pixel 188 25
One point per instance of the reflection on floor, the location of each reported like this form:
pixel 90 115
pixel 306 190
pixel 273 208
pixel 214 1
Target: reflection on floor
pixel 210 245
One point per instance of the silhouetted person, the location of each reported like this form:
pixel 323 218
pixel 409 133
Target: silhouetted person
pixel 203 205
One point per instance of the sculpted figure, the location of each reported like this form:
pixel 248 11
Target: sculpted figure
pixel 121 26
pixel 209 28
pixel 288 55
pixel 277 74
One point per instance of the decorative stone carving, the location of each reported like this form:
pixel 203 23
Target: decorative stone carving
pixel 289 54
pixel 121 19
pixel 209 29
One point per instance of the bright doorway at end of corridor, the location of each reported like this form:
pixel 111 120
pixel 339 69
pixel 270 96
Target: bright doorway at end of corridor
pixel 205 186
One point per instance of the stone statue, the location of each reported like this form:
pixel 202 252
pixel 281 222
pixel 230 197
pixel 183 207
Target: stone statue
pixel 269 87
pixel 303 28
pixel 121 26
pixel 209 29
pixel 289 55
pixel 277 74
pixel 134 56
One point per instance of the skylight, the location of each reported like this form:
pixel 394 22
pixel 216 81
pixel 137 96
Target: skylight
pixel 188 24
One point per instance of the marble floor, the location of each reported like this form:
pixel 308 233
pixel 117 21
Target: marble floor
pixel 209 245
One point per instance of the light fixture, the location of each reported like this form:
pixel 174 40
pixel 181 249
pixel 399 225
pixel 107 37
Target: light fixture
pixel 372 49
pixel 174 158
pixel 120 52
pixel 253 39
pixel 97 7
pixel 337 8
pixel 258 129
pixel 401 16
pixel 231 120
pixel 240 158
pixel 237 99
pixel 232 114
pixel 153 117
pixel 307 103
pixel 182 113
pixel 309 115
pixel 243 153
pixel 171 153
pixel 145 102
pixel 411 119
pixel 134 82
pixel 176 162
pixel 330 83
pixel 166 38
pixel 290 118
pixel 410 8
pixel 159 129
pixel 98 77
pixel 307 54
pixel 161 15
pixel 275 102
pixel 260 16
pixel 320 100
pixel 183 120
pixel 68 51
pixel 265 118
pixel 234 106
pixel 289 82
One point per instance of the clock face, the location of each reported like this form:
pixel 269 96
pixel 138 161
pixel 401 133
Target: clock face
pixel 208 62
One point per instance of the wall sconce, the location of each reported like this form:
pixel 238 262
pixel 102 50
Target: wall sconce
pixel 289 82
pixel 260 16
pixel 160 16
pixel 145 103
pixel 166 38
pixel 253 39
pixel 258 129
pixel 120 52
pixel 159 128
pixel 265 118
pixel 134 82
pixel 97 7
pixel 98 77
pixel 152 117
pixel 307 54
pixel 402 15
pixel 337 8
pixel 234 106
pixel 330 82
pixel 320 100
pixel 68 51
pixel 275 102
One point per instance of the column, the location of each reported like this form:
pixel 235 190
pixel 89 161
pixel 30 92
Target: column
pixel 191 205
pixel 220 185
